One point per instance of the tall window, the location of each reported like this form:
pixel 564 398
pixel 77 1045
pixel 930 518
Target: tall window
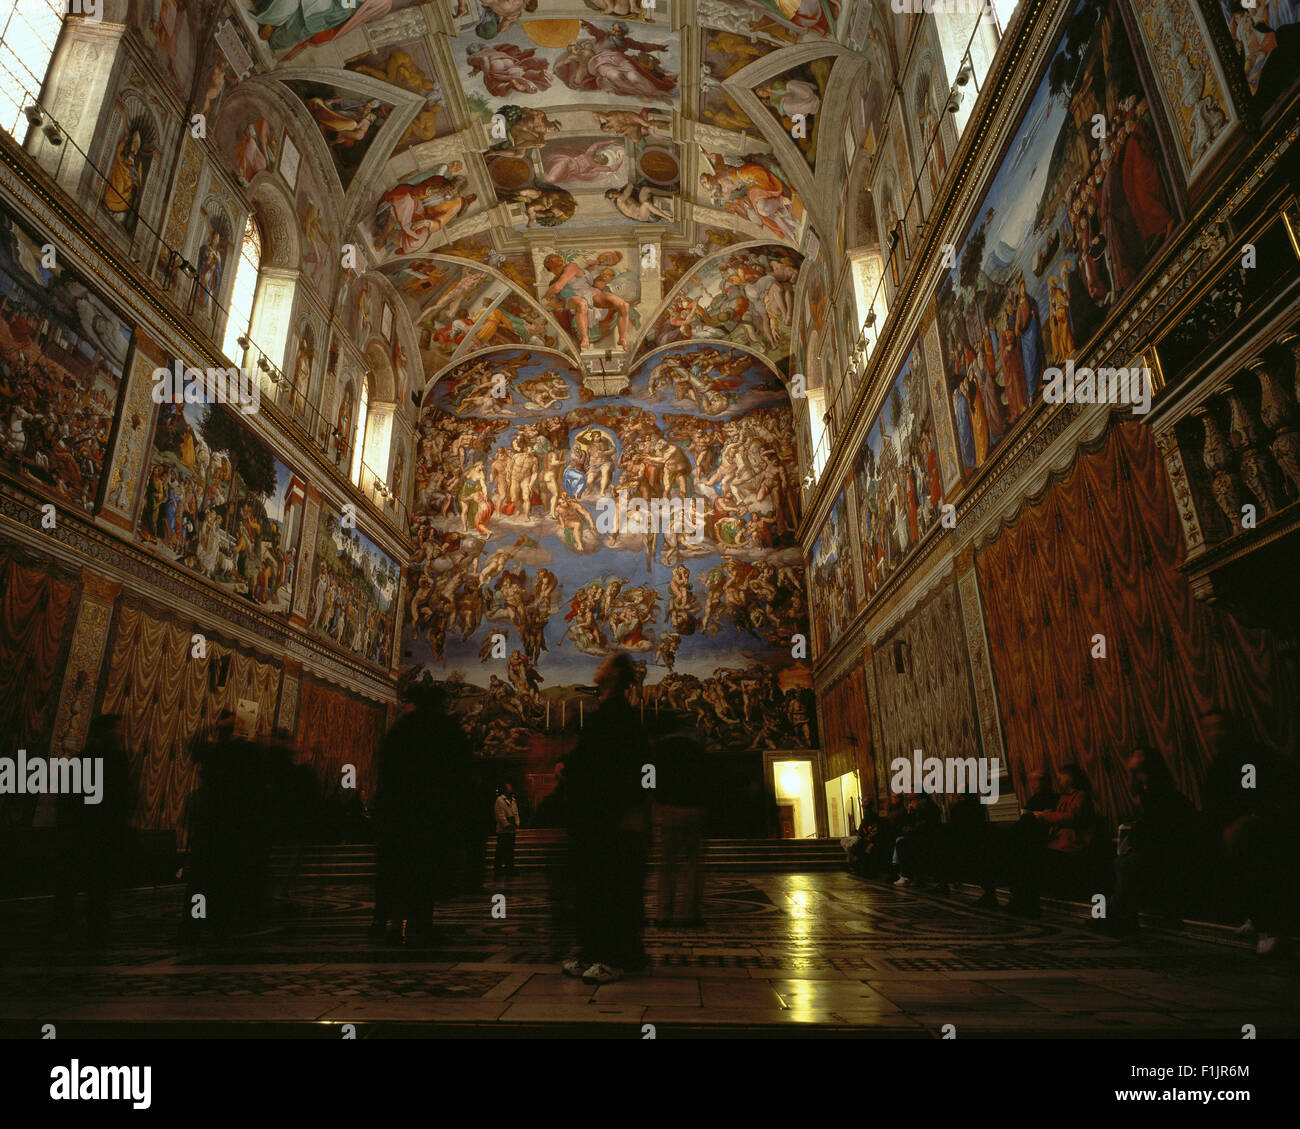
pixel 817 430
pixel 359 441
pixel 29 29
pixel 247 267
pixel 868 294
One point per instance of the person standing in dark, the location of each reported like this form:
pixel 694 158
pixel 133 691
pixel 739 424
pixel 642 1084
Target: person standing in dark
pixel 96 837
pixel 226 831
pixel 608 830
pixel 1250 796
pixel 554 812
pixel 968 854
pixel 679 815
pixel 424 766
pixel 1157 850
pixel 506 812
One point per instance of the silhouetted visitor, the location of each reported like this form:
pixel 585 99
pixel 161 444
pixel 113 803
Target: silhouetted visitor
pixel 679 815
pixel 426 780
pixel 554 812
pixel 968 847
pixel 608 828
pixel 230 831
pixel 95 838
pixel 1155 851
pixel 1250 803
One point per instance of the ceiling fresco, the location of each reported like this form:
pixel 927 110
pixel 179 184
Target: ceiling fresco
pixel 468 144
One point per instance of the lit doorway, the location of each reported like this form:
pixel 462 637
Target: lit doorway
pixel 843 804
pixel 796 802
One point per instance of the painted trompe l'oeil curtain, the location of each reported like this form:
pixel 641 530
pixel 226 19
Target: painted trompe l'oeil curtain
pixel 168 697
pixel 1096 556
pixel 335 729
pixel 846 730
pixel 36 615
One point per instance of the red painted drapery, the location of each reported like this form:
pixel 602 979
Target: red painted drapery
pixel 1096 555
pixel 335 729
pixel 36 615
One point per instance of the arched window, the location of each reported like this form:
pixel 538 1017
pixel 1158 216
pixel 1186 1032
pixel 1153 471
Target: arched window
pixel 29 30
pixel 247 267
pixel 359 440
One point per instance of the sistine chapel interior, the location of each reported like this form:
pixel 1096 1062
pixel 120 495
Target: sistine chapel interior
pixel 848 484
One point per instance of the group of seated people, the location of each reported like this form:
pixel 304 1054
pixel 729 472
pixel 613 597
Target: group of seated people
pixel 1231 859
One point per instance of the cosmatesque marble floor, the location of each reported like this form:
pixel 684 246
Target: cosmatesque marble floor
pixel 785 954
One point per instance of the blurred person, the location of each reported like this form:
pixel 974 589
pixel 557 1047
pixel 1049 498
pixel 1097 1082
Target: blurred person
pixel 1155 850
pixel 229 824
pixel 968 846
pixel 679 815
pixel 1250 807
pixel 425 784
pixel 554 812
pixel 608 828
pixel 95 838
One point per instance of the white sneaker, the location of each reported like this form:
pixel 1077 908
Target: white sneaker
pixel 572 967
pixel 902 880
pixel 602 974
pixel 1266 944
pixel 1245 930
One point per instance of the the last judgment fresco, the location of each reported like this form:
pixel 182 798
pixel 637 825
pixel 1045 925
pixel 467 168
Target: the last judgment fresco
pixel 556 526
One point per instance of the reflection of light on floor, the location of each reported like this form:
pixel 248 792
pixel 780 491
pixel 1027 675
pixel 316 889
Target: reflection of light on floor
pixel 800 920
pixel 800 1004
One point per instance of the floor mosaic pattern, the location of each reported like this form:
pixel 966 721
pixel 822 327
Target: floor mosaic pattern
pixel 828 952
